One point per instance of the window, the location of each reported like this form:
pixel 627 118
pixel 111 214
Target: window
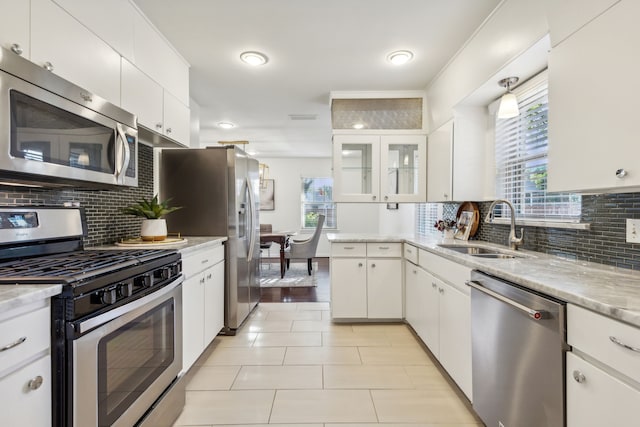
pixel 521 160
pixel 317 199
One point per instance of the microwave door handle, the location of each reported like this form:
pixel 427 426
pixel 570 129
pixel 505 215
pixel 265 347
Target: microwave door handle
pixel 124 153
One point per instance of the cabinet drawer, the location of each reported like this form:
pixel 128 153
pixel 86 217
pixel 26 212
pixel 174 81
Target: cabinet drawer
pixel 410 253
pixel 593 334
pixel 349 249
pixel 195 262
pixel 25 335
pixel 391 250
pixel 451 272
pixel 28 407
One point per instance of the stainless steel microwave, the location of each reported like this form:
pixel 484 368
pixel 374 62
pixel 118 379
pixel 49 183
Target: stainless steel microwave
pixel 55 133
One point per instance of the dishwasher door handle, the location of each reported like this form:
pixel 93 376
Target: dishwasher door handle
pixel 534 314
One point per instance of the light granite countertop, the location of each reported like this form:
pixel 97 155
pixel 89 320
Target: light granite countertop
pixel 612 291
pixel 15 296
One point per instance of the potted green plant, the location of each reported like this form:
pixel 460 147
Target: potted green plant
pixel 154 227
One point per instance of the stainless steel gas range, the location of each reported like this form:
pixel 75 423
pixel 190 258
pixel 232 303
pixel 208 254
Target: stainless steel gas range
pixel 116 327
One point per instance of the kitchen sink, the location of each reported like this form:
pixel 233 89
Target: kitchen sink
pixel 483 252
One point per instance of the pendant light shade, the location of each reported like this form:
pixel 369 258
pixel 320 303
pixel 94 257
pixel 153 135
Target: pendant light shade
pixel 508 103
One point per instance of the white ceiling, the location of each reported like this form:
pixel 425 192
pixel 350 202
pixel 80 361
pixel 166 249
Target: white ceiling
pixel 314 47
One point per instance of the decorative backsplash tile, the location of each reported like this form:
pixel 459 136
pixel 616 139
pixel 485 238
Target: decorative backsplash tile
pixel 604 243
pixel 102 207
pixel 404 113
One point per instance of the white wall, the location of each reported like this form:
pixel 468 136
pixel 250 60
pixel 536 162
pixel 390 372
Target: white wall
pixel 352 217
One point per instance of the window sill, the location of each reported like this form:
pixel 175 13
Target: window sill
pixel 545 224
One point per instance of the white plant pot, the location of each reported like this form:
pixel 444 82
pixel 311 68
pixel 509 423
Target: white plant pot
pixel 153 229
pixel 449 233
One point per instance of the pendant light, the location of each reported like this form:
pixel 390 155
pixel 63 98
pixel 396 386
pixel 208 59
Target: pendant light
pixel 508 103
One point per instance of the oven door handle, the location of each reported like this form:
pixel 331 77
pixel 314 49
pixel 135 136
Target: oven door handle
pixel 94 322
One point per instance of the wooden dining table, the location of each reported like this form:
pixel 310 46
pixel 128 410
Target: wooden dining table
pixel 281 238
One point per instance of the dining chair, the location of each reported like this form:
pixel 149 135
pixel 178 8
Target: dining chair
pixel 265 228
pixel 305 249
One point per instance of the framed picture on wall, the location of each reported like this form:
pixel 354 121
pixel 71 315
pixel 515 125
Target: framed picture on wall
pixel 267 195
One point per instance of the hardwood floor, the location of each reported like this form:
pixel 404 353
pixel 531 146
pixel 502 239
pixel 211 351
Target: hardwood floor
pixel 318 293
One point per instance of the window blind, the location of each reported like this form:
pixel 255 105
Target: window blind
pixel 521 159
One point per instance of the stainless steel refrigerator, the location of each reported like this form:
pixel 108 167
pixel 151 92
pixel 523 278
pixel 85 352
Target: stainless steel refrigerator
pixel 218 189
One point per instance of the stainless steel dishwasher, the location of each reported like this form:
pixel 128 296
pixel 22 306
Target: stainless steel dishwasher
pixel 518 354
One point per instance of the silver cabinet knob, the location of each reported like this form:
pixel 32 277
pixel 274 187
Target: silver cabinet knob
pixel 86 96
pixel 16 48
pixel 445 195
pixel 158 126
pixel 35 383
pixel 579 376
pixel 374 197
pixel 168 130
pixel 441 290
pixel 373 266
pixel 433 285
pixel 359 264
pixel 386 197
pixel 621 173
pixel 48 66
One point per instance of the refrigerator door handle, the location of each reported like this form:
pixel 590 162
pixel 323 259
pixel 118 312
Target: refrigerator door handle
pixel 252 228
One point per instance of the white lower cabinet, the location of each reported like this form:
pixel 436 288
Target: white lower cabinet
pixel 596 398
pixel 366 281
pixel 202 301
pixel 603 370
pixel 25 365
pixel 439 312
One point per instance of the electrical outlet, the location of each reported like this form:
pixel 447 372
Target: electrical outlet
pixel 633 230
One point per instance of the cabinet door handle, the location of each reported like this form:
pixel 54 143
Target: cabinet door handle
pixel 202 280
pixel 13 344
pixel 158 126
pixel 209 276
pixel 35 383
pixel 359 264
pixel 16 48
pixel 409 251
pixel 579 376
pixel 205 261
pixel 441 290
pixel 348 247
pixel 373 266
pixel 433 285
pixel 621 344
pixel 383 247
pixel 621 173
pixel 168 130
pixel 415 271
pixel 374 197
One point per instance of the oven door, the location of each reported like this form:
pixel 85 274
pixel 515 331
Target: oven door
pixel 122 367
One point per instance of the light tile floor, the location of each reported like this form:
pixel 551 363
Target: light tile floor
pixel 290 366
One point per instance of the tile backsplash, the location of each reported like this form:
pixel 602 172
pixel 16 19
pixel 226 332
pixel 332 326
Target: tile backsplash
pixel 105 223
pixel 604 243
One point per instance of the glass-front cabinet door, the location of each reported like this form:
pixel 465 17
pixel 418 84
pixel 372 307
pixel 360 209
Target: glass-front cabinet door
pixel 379 168
pixel 356 168
pixel 403 168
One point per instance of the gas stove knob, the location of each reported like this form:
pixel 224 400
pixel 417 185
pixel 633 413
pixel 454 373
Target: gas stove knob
pixel 165 273
pixel 142 281
pixel 109 296
pixel 125 289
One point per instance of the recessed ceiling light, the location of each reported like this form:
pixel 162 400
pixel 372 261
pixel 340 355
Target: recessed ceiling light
pixel 254 58
pixel 226 125
pixel 400 57
pixel 358 126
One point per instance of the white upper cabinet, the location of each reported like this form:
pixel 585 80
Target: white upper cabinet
pixel 440 167
pixel 593 137
pixel 74 52
pixel 14 25
pixel 567 16
pixel 155 107
pixel 456 157
pixel 111 20
pixel 142 95
pixel 157 59
pixel 379 168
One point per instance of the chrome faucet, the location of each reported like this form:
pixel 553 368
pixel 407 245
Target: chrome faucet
pixel 514 241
